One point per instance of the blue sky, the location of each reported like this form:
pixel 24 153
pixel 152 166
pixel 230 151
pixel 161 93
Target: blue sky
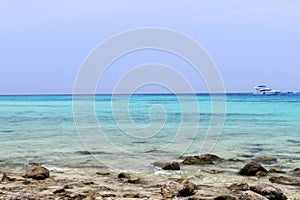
pixel 43 43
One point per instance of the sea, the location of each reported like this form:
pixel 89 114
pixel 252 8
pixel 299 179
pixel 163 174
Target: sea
pixel 130 132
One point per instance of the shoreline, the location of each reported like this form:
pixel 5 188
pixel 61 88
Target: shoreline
pixel 211 180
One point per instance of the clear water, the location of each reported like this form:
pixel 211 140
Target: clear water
pixel 133 134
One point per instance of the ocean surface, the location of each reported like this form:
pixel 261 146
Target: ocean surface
pixel 130 132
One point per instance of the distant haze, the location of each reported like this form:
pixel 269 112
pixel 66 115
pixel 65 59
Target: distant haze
pixel 44 43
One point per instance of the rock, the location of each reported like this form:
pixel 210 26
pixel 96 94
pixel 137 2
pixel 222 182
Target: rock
pixel 243 186
pixel 225 197
pixel 284 180
pixel 260 174
pixel 251 169
pixel 6 178
pixel 167 165
pixel 296 171
pixel 268 191
pixel 276 170
pixel 266 159
pixel 250 195
pixel 129 177
pixel 38 173
pixel 203 159
pixel 103 173
pixel 182 188
pixel 214 171
pixel 129 195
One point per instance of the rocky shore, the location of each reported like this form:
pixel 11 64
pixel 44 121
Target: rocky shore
pixel 204 177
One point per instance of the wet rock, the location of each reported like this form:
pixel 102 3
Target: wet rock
pixel 38 173
pixel 276 170
pixel 266 159
pixel 130 178
pixel 103 173
pixel 6 178
pixel 261 174
pixel 214 171
pixel 268 191
pixel 284 180
pixel 296 171
pixel 250 195
pixel 167 165
pixel 178 188
pixel 131 195
pixel 251 169
pixel 242 186
pixel 225 197
pixel 203 159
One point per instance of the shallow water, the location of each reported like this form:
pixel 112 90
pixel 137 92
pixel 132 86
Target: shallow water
pixel 130 132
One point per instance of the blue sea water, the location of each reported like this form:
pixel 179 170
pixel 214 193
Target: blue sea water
pixel 125 131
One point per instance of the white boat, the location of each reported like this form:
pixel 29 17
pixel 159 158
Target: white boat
pixel 264 90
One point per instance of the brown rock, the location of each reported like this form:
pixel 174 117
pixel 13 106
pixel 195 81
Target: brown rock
pixel 178 188
pixel 276 170
pixel 268 191
pixel 203 159
pixel 225 197
pixel 284 180
pixel 167 165
pixel 266 159
pixel 296 171
pixel 250 195
pixel 6 178
pixel 38 173
pixel 130 178
pixel 103 173
pixel 251 169
pixel 214 171
pixel 131 195
pixel 261 174
pixel 242 186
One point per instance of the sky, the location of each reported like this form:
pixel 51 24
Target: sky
pixel 44 43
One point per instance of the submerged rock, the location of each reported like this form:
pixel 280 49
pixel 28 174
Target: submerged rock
pixel 38 173
pixel 266 159
pixel 251 169
pixel 284 180
pixel 268 191
pixel 250 195
pixel 242 186
pixel 130 178
pixel 225 197
pixel 276 170
pixel 203 159
pixel 167 165
pixel 296 171
pixel 182 188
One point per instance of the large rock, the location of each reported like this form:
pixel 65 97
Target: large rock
pixel 250 195
pixel 284 180
pixel 268 191
pixel 167 165
pixel 130 178
pixel 182 188
pixel 203 159
pixel 251 169
pixel 38 173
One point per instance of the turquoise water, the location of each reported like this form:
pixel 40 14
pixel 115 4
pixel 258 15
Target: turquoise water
pixel 134 133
